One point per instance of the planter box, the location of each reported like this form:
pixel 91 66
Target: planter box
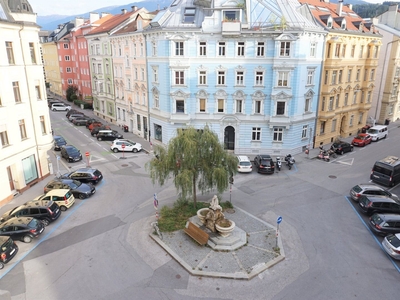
pixel 231 27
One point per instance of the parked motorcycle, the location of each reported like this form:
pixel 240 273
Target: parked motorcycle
pixel 278 163
pixel 323 154
pixel 332 152
pixel 289 161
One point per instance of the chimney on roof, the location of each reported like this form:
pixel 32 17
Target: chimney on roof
pixel 104 14
pixel 79 21
pixel 123 11
pixel 93 17
pixel 350 6
pixel 339 8
pixel 134 8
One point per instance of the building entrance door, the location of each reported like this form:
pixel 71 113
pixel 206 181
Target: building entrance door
pixel 229 138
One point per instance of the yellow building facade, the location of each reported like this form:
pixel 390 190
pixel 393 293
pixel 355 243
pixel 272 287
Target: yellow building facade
pixel 52 67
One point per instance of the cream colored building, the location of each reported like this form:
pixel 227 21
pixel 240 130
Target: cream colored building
pixel 386 101
pixel 52 67
pixel 25 130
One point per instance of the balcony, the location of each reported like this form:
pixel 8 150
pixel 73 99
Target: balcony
pixel 231 27
pixel 327 114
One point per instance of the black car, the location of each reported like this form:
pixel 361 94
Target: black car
pixel 378 204
pixel 78 189
pixel 96 130
pixel 70 153
pixel 80 121
pixel 72 111
pixel 108 136
pixel 22 228
pixel 342 147
pixel 264 164
pixel 59 141
pixel 85 175
pixel 43 210
pixel 8 249
pixel 52 101
pixel 385 223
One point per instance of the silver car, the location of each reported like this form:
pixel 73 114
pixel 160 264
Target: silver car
pixel 370 189
pixel 391 244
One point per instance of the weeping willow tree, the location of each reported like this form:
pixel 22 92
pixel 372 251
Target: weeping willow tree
pixel 196 160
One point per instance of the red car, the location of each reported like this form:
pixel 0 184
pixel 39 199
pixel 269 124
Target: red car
pixel 361 140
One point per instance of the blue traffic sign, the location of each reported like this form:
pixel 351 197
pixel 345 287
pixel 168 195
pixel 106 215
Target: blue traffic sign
pixel 279 220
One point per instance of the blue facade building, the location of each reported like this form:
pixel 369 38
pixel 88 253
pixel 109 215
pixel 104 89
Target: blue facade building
pixel 249 69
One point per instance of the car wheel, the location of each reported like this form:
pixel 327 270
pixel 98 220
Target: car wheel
pixel 341 152
pixel 385 136
pixel 99 138
pixel 63 208
pixel 27 239
pixel 45 222
pixel 81 196
pixel 351 149
pixel 115 150
pixel 53 109
pixel 134 150
pixel 1 265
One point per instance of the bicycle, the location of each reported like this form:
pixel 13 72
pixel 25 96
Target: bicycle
pixel 156 229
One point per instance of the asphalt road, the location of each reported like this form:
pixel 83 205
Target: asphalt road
pixel 99 249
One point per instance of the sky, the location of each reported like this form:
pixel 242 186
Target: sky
pixel 72 7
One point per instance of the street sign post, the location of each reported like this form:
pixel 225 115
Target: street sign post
pixel 58 166
pixel 87 154
pixel 278 221
pixel 123 151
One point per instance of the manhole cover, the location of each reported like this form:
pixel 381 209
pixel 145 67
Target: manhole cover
pixel 124 165
pixel 332 176
pixel 178 276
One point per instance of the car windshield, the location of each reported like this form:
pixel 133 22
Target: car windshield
pixel 376 218
pixel 73 151
pixel 74 184
pixel 33 223
pixel 6 245
pixel 357 189
pixel 373 131
pixel 393 240
pixel 360 137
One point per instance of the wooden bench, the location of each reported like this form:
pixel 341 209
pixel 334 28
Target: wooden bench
pixel 196 233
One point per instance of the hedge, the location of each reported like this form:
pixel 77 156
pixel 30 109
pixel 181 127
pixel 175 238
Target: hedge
pixel 85 104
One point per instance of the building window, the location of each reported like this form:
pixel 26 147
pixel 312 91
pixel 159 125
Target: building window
pixel 69 80
pixel 354 97
pixel 307 105
pixel 358 74
pixel 139 124
pixel 351 120
pixel 32 52
pixel 361 51
pixel 344 50
pixel 155 75
pixel 69 70
pixel 65 46
pixel 362 97
pixel 156 101
pixel 221 48
pixel 179 48
pixel 313 49
pixel 330 108
pixel 180 106
pixel 340 76
pixel 202 105
pixel 334 121
pixel 257 107
pixel 353 50
pixel 369 97
pixel 280 108
pixel 66 58
pixel 154 49
pixel 17 94
pixel 239 106
pixel 256 134
pixel 322 127
pixel 310 77
pixel 202 77
pixel 337 101
pixel 283 78
pixel 142 73
pixel 22 129
pixel 188 16
pixel 349 75
pixel 334 76
pixel 337 50
pixel 372 75
pixel 221 104
pixel 260 49
pixel 328 52
pixel 376 50
pixel 285 49
pixel 203 49
pixel 360 118
pixel 4 138
pixel 304 131
pixel 326 77
pixel 179 77
pixel 346 99
pixel 259 78
pixel 240 49
pixel 391 109
pixel 37 91
pixel 323 104
pixel 10 53
pixel 365 74
pixel 221 78
pixel 43 125
pixel 158 132
pixel 239 78
pixel 278 134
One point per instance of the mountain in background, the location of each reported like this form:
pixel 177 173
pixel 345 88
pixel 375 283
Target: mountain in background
pixel 51 22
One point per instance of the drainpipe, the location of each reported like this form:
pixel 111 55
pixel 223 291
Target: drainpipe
pixel 148 93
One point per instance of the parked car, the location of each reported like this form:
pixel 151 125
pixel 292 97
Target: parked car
pixel 108 135
pixel 378 132
pixel 264 164
pixel 370 189
pixel 50 102
pixel 60 107
pixel 63 197
pixel 244 164
pixel 391 244
pixel 80 121
pixel 129 146
pixel 72 117
pixel 361 140
pixel 96 130
pixel 72 111
pixel 78 189
pixel 59 142
pixel 378 204
pixel 22 228
pixel 70 153
pixel 45 211
pixel 384 223
pixel 8 249
pixel 94 124
pixel 91 121
pixel 85 175
pixel 342 147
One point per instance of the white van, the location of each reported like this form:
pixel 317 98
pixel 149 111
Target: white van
pixel 378 132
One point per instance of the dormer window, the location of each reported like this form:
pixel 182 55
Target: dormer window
pixel 343 26
pixel 188 16
pixel 231 16
pixel 329 22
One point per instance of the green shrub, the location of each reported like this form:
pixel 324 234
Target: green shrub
pixel 85 104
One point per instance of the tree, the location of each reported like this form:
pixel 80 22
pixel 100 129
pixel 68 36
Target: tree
pixel 196 160
pixel 71 90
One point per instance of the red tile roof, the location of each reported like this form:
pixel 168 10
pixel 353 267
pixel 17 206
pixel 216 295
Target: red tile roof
pixel 113 22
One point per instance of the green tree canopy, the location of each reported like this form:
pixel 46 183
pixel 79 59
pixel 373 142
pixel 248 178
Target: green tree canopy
pixel 71 91
pixel 196 160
